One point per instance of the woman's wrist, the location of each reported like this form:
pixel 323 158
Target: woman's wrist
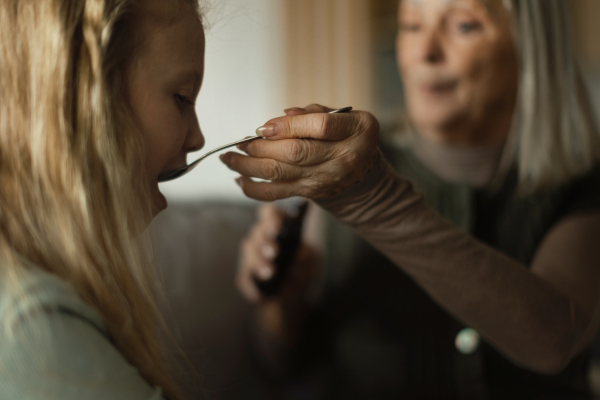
pixel 368 200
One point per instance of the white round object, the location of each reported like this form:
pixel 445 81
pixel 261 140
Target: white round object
pixel 467 341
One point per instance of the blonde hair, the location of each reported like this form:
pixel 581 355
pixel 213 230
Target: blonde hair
pixel 72 200
pixel 555 136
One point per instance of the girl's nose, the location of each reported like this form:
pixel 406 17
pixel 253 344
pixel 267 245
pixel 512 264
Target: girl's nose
pixel 195 139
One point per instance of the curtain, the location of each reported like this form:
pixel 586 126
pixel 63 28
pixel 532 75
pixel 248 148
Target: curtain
pixel 329 53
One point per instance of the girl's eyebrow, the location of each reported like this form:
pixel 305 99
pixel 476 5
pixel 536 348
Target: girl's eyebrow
pixel 185 76
pixel 188 74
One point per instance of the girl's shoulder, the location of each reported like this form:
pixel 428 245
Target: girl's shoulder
pixel 31 291
pixel 55 346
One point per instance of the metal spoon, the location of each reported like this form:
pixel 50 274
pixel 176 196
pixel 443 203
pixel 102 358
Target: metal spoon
pixel 179 172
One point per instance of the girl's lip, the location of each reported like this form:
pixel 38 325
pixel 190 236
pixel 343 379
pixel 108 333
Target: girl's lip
pixel 171 168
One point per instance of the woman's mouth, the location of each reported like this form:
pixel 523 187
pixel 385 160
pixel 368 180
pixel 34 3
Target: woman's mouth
pixel 439 88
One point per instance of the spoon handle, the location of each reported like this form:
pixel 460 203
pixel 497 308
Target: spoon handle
pixel 244 140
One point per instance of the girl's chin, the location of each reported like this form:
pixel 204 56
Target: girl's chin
pixel 160 202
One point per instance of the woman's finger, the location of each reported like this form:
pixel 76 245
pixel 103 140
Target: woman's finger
pixel 272 191
pixel 270 221
pixel 256 264
pixel 294 111
pixel 318 108
pixel 265 168
pixel 322 126
pixel 302 152
pixel 259 266
pixel 261 248
pixel 310 109
pixel 244 276
pixel 247 287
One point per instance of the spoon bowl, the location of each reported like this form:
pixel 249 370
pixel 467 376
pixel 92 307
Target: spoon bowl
pixel 179 172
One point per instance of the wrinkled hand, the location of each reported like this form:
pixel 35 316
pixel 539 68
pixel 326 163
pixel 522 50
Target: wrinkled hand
pixel 259 250
pixel 308 153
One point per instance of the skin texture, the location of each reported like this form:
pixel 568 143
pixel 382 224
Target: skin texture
pixel 541 317
pixel 164 82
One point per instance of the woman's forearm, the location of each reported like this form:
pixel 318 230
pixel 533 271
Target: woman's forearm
pixel 521 314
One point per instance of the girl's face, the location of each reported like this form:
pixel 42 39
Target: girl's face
pixel 458 62
pixel 163 84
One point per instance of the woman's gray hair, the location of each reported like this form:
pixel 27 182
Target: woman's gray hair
pixel 555 136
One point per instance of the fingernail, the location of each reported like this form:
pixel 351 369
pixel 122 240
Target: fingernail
pixel 240 182
pixel 293 109
pixel 265 273
pixel 224 158
pixel 268 252
pixel 266 131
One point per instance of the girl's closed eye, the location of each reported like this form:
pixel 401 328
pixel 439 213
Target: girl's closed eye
pixel 182 101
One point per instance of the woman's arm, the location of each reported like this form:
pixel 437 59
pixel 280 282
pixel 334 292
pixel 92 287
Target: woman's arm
pixel 539 318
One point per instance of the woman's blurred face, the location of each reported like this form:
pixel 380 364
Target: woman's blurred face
pixel 459 66
pixel 163 84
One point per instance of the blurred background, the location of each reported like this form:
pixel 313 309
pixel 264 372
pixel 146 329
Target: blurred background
pixel 264 56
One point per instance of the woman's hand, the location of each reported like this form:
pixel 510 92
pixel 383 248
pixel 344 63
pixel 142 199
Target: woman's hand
pixel 308 153
pixel 258 252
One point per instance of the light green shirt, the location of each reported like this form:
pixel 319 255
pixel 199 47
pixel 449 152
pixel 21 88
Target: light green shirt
pixel 55 347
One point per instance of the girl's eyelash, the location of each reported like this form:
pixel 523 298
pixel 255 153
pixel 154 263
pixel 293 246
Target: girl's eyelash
pixel 183 100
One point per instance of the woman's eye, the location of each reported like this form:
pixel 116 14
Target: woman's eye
pixel 409 27
pixel 468 27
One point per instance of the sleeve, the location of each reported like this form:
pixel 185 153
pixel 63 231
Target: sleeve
pixel 55 355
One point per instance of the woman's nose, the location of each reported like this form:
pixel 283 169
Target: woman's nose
pixel 194 140
pixel 431 50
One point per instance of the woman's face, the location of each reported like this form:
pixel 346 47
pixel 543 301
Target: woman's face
pixel 459 65
pixel 163 84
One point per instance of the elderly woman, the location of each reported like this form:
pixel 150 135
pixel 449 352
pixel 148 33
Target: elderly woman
pixel 505 148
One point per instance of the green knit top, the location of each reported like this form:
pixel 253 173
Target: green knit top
pixel 53 346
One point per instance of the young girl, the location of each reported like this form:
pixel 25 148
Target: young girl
pixel 96 101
